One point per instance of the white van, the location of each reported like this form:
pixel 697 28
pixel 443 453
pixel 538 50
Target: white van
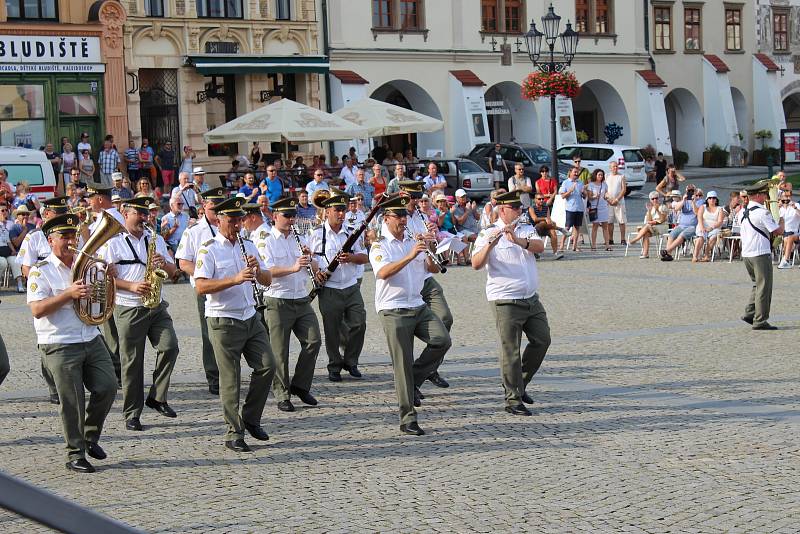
pixel 630 161
pixel 31 166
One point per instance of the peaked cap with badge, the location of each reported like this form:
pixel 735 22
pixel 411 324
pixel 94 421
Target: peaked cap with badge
pixel 337 199
pixel 415 188
pixel 98 189
pixel 61 223
pixel 231 207
pixel 142 204
pixel 215 195
pixel 285 205
pixel 57 204
pixel 761 186
pixel 509 199
pixel 251 208
pixel 398 204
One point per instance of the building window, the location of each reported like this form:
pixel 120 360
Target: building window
pixel 381 13
pixel 733 29
pixel 780 31
pixel 154 8
pixel 22 116
pixel 399 15
pixel 221 109
pixel 489 15
pixel 663 28
pixel 691 28
pixel 409 14
pixel 283 11
pixel 32 9
pixel 513 12
pixel 593 16
pixel 220 9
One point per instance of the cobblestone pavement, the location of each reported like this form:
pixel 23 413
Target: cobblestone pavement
pixel 656 410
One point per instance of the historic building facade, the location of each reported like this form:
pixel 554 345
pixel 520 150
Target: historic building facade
pixel 778 34
pixel 61 71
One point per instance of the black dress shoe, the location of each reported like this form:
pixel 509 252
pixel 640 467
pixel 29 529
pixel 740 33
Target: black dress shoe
pixel 419 392
pixel 161 407
pixel 765 326
pixel 95 451
pixel 286 406
pixel 80 466
pixel 519 409
pixel 354 372
pixel 417 398
pixel 133 424
pixel 412 428
pixel 213 389
pixel 54 399
pixel 238 445
pixel 747 319
pixel 438 381
pixel 335 376
pixel 303 395
pixel 256 431
pixel 527 399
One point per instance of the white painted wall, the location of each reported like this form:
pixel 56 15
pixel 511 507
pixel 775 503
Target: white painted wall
pixel 652 118
pixel 720 118
pixel 768 110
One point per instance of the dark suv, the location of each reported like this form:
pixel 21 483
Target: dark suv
pixel 530 155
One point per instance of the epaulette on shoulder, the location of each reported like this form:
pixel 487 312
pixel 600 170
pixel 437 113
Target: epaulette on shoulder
pixel 40 263
pixel 207 243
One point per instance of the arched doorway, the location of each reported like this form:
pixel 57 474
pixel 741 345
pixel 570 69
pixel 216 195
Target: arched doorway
pixel 511 117
pixel 597 105
pixel 686 127
pixel 791 110
pixel 740 111
pixel 409 95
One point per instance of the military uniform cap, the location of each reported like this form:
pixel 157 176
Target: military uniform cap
pixel 98 189
pixel 285 204
pixel 57 204
pixel 761 186
pixel 397 204
pixel 140 203
pixel 252 209
pixel 61 223
pixel 215 195
pixel 337 199
pixel 509 199
pixel 414 187
pixel 231 207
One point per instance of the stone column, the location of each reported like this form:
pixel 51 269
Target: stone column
pixel 112 18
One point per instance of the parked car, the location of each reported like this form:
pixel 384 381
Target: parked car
pixel 31 166
pixel 629 160
pixel 461 174
pixel 530 155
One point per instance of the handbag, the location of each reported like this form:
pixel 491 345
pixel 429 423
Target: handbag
pixel 593 210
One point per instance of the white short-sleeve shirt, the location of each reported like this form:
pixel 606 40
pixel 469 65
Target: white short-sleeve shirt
pixel 346 275
pixel 753 243
pixel 34 248
pixel 219 258
pixel 114 212
pixel 46 279
pixel 191 240
pixel 278 250
pixel 510 270
pixel 791 219
pixel 116 250
pixel 403 289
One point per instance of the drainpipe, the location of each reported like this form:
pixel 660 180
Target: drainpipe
pixel 647 35
pixel 326 51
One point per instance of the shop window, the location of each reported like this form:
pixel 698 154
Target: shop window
pixel 154 8
pixel 663 27
pixel 593 16
pixel 220 9
pixel 221 109
pixel 733 29
pixel 32 9
pixel 691 28
pixel 77 105
pixel 283 10
pixel 22 116
pixel 780 31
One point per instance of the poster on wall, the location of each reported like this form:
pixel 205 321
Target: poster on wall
pixel 790 146
pixel 566 124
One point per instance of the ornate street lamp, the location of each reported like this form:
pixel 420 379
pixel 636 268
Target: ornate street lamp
pixel 549 65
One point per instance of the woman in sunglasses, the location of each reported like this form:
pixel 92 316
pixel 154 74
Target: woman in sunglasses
pixel 790 215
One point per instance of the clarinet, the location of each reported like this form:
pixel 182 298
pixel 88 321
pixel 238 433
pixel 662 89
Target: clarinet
pixel 258 296
pixel 433 256
pixel 309 269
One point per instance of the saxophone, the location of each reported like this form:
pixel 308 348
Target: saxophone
pixel 154 276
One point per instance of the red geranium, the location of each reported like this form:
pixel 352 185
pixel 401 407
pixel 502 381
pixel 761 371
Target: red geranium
pixel 539 84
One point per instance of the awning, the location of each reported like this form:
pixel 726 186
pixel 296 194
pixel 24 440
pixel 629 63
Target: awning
pixel 210 64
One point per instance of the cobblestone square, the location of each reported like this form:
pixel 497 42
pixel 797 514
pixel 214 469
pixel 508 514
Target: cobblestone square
pixel 656 410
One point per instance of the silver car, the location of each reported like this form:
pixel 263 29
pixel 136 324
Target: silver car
pixel 462 174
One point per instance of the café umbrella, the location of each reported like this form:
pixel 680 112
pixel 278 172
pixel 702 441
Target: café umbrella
pixel 382 119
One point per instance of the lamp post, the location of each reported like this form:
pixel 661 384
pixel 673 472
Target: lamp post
pixel 548 63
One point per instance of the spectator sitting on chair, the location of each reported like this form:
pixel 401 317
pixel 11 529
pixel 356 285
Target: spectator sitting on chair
pixel 540 212
pixel 790 215
pixel 687 221
pixel 670 182
pixel 466 216
pixel 709 224
pixel 655 224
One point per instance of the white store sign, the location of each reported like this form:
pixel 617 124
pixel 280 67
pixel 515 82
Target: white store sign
pixel 44 53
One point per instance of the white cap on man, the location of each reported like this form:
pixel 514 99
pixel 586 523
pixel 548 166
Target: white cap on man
pixel 198 170
pixel 116 176
pixel 461 193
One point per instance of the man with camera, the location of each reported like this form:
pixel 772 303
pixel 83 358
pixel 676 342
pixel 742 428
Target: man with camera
pixel 186 191
pixel 687 220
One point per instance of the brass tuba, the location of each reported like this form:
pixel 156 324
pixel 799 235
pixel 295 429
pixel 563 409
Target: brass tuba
pixel 98 307
pixel 153 275
pixel 318 196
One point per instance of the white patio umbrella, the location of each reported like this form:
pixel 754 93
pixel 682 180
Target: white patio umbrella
pixel 285 120
pixel 381 118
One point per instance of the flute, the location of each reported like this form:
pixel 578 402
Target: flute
pixel 258 296
pixel 494 237
pixel 432 255
pixel 309 269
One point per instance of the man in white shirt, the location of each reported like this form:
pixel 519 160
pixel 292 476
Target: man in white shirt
pixel 758 228
pixel 348 172
pixel 187 192
pixel 507 252
pixel 789 212
pixel 193 237
pixel 174 223
pixel 400 263
pixel 136 323
pixel 615 196
pixel 73 352
pixel 317 184
pixel 225 278
pixel 340 303
pixel 434 181
pixel 288 305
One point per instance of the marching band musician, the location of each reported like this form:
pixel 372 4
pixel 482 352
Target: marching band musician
pixel 507 251
pixel 74 352
pixel 288 305
pixel 340 301
pixel 432 292
pixel 35 247
pixel 136 323
pixel 224 278
pixel 400 264
pixel 193 237
pixel 252 220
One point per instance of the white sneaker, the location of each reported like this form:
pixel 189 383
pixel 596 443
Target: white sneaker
pixel 784 265
pixel 558 255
